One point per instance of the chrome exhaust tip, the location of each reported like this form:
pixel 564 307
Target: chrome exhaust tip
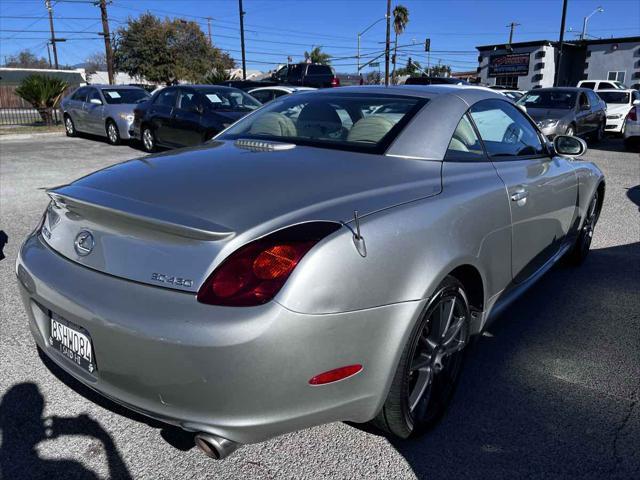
pixel 214 446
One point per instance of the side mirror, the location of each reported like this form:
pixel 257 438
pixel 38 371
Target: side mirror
pixel 95 101
pixel 569 146
pixel 636 102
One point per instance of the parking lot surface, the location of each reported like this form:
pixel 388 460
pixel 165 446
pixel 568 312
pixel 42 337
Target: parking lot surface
pixel 551 390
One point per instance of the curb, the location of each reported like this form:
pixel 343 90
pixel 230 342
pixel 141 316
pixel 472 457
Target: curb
pixel 27 136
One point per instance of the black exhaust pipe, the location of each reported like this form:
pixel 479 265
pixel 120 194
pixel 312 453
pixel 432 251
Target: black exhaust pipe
pixel 214 446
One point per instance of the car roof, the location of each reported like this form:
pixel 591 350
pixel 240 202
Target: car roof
pixel 561 89
pixel 628 90
pixel 118 87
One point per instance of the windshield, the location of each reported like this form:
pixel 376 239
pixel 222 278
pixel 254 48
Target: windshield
pixel 361 122
pixel 614 97
pixel 233 100
pixel 124 95
pixel 561 99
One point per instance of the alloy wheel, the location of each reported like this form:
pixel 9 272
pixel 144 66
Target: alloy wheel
pixel 437 354
pixel 589 224
pixel 68 125
pixel 112 132
pixel 147 139
pixel 569 131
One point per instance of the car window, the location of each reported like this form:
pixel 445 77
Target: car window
pixel 188 100
pixel 552 99
pixel 81 94
pixel 230 99
pixel 166 98
pixel 360 122
pixel 505 131
pixel 464 144
pixel 263 96
pixel 614 97
pixel 319 70
pixel 594 98
pixel 606 85
pixel 295 72
pixel 583 101
pixel 590 85
pixel 124 95
pixel 279 93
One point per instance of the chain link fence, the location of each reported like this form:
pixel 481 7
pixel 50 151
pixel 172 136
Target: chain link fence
pixel 25 116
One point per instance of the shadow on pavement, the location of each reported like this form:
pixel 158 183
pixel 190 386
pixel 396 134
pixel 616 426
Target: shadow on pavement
pixel 633 194
pixel 549 391
pixel 4 239
pixel 23 428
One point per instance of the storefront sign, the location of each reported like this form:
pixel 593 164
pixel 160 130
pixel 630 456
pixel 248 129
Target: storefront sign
pixel 510 64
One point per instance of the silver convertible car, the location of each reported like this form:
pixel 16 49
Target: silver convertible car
pixel 328 257
pixel 105 110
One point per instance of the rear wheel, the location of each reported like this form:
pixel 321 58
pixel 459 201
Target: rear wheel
pixel 148 139
pixel 598 135
pixel 430 364
pixel 570 131
pixel 69 126
pixel 113 134
pixel 580 249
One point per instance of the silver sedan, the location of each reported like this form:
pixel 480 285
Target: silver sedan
pixel 319 260
pixel 105 110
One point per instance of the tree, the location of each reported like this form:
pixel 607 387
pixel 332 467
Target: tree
pixel 413 69
pixel 400 21
pixel 166 51
pixel 43 92
pixel 215 76
pixel 374 78
pixel 95 63
pixel 26 59
pixel 317 56
pixel 440 70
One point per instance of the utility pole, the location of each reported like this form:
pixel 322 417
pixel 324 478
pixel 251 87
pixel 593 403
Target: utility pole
pixel 244 64
pixel 209 27
pixel 47 3
pixel 512 26
pixel 387 45
pixel 557 78
pixel 107 40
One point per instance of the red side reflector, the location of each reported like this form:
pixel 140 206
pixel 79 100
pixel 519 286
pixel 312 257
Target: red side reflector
pixel 335 374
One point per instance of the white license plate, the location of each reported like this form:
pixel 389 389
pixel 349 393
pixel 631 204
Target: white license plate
pixel 73 342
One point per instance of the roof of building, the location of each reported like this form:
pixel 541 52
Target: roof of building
pixel 13 76
pixel 540 43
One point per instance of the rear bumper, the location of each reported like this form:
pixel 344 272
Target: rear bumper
pixel 632 130
pixel 241 373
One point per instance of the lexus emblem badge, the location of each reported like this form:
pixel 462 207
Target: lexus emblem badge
pixel 84 243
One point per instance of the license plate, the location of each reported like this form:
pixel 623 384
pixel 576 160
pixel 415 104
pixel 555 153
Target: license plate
pixel 73 342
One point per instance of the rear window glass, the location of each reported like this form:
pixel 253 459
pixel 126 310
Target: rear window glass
pixel 360 122
pixel 319 70
pixel 590 85
pixel 122 95
pixel 614 97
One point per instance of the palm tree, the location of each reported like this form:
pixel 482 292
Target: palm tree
pixel 400 21
pixel 43 92
pixel 318 56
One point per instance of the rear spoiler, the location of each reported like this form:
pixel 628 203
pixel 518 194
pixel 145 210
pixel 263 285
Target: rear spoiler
pixel 157 218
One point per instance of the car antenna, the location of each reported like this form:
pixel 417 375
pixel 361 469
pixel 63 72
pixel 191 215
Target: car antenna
pixel 358 239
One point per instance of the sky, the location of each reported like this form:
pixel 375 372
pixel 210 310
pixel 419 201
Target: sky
pixel 276 29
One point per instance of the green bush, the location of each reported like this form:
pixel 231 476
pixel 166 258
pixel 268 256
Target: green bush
pixel 43 93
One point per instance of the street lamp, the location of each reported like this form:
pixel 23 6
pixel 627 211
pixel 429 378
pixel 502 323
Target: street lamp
pixel 362 33
pixel 586 19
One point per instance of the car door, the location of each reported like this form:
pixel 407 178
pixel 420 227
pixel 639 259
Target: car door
pixel 295 74
pixel 94 112
pixel 159 115
pixel 75 108
pixel 598 110
pixel 186 120
pixel 584 115
pixel 541 188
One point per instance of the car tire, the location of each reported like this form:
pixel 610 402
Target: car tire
pixel 429 367
pixel 69 126
pixel 148 139
pixel 598 135
pixel 113 134
pixel 580 249
pixel 570 131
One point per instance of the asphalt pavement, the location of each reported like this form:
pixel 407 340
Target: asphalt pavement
pixel 551 390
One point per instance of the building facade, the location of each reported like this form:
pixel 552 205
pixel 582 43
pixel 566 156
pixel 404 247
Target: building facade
pixel 529 65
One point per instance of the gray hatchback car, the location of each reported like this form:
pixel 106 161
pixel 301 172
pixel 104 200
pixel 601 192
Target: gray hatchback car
pixel 567 111
pixel 105 110
pixel 321 259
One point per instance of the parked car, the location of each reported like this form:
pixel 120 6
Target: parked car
pixel 601 85
pixel 631 129
pixel 307 75
pixel 514 95
pixel 187 115
pixel 435 81
pixel 567 111
pixel 247 85
pixel 619 103
pixel 105 110
pixel 315 262
pixel 266 94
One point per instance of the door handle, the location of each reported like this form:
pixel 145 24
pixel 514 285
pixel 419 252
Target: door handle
pixel 520 197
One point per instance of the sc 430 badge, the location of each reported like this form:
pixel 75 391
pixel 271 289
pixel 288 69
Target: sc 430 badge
pixel 172 280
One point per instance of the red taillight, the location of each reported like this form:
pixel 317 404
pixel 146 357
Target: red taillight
pixel 633 114
pixel 335 81
pixel 335 374
pixel 256 272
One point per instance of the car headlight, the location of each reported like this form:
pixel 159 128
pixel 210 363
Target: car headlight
pixel 614 116
pixel 127 116
pixel 548 123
